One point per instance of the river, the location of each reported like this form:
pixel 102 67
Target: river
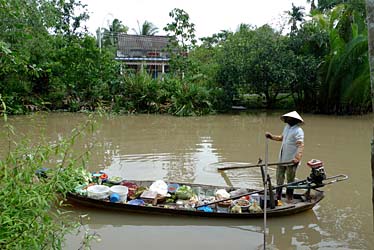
pixel 190 149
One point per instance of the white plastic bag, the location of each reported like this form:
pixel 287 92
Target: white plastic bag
pixel 222 194
pixel 160 187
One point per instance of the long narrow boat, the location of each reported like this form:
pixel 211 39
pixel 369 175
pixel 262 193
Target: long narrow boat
pixel 217 208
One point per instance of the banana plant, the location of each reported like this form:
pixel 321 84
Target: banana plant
pixel 345 74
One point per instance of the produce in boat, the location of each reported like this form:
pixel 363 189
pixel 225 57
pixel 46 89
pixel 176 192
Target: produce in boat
pixel 160 197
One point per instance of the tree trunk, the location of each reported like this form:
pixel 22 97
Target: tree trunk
pixel 370 21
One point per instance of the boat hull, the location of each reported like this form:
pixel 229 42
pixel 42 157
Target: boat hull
pixel 301 205
pixel 288 210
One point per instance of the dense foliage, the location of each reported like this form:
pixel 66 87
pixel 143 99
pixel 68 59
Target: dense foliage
pixel 345 70
pixel 140 93
pixel 30 207
pixel 48 61
pixel 256 61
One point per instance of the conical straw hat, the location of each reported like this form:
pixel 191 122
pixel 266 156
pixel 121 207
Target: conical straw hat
pixel 293 114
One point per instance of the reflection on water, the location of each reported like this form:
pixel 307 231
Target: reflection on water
pixel 190 149
pixel 185 166
pixel 163 231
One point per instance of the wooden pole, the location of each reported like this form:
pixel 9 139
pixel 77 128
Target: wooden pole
pixel 265 187
pixel 226 178
pixel 255 165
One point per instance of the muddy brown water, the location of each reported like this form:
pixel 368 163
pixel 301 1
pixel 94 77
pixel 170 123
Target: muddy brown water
pixel 190 149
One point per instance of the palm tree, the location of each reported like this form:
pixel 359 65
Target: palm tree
pixel 147 29
pixel 296 15
pixel 110 35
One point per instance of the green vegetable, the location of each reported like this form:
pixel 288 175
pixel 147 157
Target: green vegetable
pixel 115 179
pixel 169 200
pixel 139 191
pixel 184 192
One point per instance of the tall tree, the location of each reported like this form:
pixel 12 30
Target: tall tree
pixel 182 40
pixel 146 29
pixel 181 30
pixel 296 15
pixel 256 61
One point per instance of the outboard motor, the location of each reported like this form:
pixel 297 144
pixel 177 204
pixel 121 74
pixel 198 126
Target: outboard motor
pixel 318 173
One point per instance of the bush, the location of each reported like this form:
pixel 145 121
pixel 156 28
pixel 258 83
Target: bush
pixel 29 206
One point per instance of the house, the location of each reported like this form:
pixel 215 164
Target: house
pixel 144 52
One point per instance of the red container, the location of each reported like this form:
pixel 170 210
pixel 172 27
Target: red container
pixel 131 186
pixel 314 163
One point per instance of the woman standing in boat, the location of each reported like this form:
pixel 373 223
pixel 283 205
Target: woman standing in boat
pixel 291 150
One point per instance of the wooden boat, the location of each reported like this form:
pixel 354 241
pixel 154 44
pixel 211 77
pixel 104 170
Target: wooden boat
pixel 218 208
pixel 212 201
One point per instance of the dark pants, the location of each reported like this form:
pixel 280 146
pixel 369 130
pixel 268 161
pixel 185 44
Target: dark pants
pixel 282 172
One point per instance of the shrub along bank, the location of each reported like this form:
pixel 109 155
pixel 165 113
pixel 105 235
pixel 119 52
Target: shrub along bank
pixel 30 207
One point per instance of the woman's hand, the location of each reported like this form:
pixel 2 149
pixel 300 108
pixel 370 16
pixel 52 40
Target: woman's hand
pixel 295 161
pixel 268 135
